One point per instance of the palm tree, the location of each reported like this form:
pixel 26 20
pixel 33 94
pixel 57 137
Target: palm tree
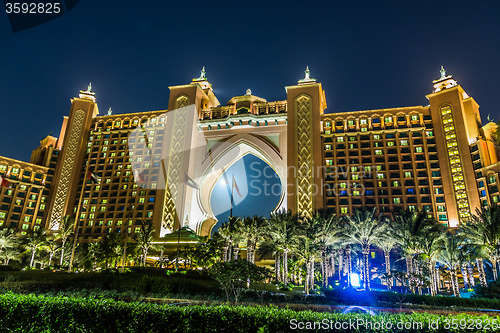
pixel 365 229
pixel 11 253
pixel 307 246
pixel 94 250
pixel 483 230
pixel 429 247
pixel 252 229
pixel 408 227
pixel 386 244
pixel 65 230
pixel 451 255
pixel 107 247
pixel 329 233
pixel 51 247
pixel 231 232
pixel 224 238
pixel 235 228
pixel 34 242
pixel 8 240
pixel 281 230
pixel 144 240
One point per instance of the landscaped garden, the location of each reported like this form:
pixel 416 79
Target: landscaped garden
pixel 402 275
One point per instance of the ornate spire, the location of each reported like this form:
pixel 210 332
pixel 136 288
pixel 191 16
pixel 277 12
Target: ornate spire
pixel 445 81
pixel 87 94
pixel 110 112
pixel 307 78
pixel 202 75
pixel 249 92
pixel 443 72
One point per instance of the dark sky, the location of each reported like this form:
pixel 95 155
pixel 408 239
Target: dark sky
pixel 367 55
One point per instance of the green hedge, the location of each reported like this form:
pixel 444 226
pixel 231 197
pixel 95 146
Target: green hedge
pixel 385 298
pixel 29 313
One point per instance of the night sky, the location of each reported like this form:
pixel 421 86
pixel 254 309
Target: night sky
pixel 367 55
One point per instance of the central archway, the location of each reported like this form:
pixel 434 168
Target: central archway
pixel 224 155
pixel 253 186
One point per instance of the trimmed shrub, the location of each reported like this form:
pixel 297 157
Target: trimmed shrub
pixel 29 313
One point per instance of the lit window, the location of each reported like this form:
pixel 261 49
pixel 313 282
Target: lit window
pixel 149 214
pixel 350 122
pixel 26 226
pixel 343 185
pixel 395 183
pixel 418 149
pixel 364 129
pixel 355 193
pixel 26 219
pixel 363 121
pixel 388 119
pixel 352 138
pixel 407 174
pixel 38 220
pixel 340 139
pixel 390 143
pixel 380 176
pixel 378 152
pixel 328 147
pixel 376 137
pixel 344 210
pixel 404 142
pixel 397 200
pixel 141 200
pixel 429 133
pixel 329 162
pixel 42 206
pixel 355 177
pixel 15 171
pixel 414 117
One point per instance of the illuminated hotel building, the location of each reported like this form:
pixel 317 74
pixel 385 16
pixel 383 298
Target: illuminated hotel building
pixel 437 157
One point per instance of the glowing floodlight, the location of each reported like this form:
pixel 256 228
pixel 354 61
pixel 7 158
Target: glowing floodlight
pixel 355 280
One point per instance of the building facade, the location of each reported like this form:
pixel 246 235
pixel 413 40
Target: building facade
pixel 437 157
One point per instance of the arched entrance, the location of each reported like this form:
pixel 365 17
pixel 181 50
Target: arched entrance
pixel 223 155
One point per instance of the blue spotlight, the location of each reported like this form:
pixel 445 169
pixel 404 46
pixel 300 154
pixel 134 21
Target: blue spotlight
pixel 355 280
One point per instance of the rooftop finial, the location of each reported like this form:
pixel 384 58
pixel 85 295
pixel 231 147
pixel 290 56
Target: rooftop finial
pixel 249 92
pixel 443 72
pixel 109 111
pixel 307 78
pixel 89 87
pixel 202 77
